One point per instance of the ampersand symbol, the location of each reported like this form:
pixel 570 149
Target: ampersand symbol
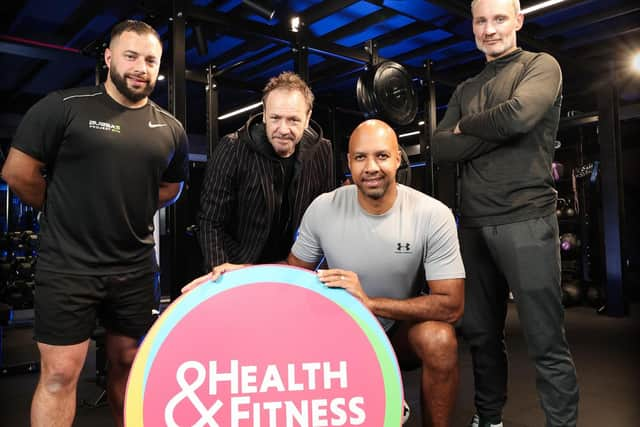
pixel 188 391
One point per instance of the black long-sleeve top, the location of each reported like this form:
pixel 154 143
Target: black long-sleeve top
pixel 508 115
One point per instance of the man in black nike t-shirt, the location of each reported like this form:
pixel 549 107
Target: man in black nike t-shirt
pixel 98 162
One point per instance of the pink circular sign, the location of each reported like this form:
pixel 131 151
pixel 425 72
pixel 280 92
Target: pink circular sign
pixel 265 346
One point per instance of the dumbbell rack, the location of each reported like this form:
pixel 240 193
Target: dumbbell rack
pixel 575 183
pixel 14 319
pixel 18 253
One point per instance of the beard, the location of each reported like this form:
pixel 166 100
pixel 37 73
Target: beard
pixel 495 51
pixel 120 82
pixel 374 193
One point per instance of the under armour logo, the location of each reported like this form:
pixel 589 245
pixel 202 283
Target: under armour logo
pixel 403 247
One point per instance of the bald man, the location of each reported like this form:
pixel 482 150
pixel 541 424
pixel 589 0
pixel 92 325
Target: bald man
pixel 376 235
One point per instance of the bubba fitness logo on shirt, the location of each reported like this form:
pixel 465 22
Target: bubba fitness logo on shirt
pixel 109 127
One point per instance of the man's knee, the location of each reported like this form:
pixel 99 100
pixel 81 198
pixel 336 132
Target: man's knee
pixel 121 351
pixel 60 377
pixel 435 343
pixel 60 366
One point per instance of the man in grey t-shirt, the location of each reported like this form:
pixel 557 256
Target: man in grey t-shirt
pixel 375 235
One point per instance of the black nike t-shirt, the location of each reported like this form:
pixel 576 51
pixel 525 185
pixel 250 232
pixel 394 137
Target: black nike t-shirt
pixel 104 164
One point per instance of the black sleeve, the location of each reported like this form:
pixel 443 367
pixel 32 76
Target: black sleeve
pixel 178 169
pixel 536 93
pixel 448 147
pixel 217 201
pixel 41 131
pixel 327 154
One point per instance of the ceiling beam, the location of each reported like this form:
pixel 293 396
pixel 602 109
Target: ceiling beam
pixel 583 21
pixel 243 27
pixel 323 9
pixel 404 33
pixel 253 45
pixel 430 48
pixel 359 25
pixel 257 69
pixel 619 30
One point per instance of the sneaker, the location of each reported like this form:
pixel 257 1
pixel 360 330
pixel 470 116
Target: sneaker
pixel 476 421
pixel 406 411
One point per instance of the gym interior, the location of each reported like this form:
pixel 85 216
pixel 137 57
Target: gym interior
pixel 397 60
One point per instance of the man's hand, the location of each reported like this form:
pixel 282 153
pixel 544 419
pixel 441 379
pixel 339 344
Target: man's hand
pixel 348 280
pixel 212 276
pixel 456 130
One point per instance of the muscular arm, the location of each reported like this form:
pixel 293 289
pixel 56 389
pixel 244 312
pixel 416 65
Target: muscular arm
pixel 445 303
pixel 23 174
pixel 297 262
pixel 449 147
pixel 169 193
pixel 536 93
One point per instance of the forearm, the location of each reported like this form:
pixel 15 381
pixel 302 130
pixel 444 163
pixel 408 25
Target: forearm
pixel 30 190
pixel 448 147
pixel 168 193
pixel 437 307
pixel 537 91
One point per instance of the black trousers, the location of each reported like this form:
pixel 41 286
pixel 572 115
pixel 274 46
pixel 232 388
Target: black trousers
pixel 523 257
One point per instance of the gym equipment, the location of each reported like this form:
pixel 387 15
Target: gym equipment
pixel 403 175
pixel 564 209
pixel 569 242
pixel 19 294
pixel 571 293
pixel 385 90
pixel 561 205
pixel 557 170
pixel 594 295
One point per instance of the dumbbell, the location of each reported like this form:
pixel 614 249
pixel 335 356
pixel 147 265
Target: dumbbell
pixel 31 242
pixel 6 270
pixel 569 242
pixel 564 209
pixel 24 268
pixel 19 294
pixel 571 293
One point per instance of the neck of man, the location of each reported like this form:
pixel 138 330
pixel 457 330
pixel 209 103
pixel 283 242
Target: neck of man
pixel 381 205
pixel 493 58
pixel 117 96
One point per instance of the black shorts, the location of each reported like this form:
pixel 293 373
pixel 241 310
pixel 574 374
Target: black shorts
pixel 66 306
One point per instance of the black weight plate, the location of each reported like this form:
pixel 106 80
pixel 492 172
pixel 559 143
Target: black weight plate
pixel 403 176
pixel 394 95
pixel 364 95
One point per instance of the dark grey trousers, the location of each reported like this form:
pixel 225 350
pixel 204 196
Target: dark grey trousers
pixel 523 257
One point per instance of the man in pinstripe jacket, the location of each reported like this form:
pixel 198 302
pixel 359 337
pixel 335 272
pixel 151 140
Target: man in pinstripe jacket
pixel 261 178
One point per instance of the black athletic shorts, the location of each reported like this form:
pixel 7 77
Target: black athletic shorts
pixel 66 306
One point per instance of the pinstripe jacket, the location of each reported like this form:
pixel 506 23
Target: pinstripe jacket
pixel 240 191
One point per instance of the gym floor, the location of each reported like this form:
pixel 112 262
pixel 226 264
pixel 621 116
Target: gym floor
pixel 606 353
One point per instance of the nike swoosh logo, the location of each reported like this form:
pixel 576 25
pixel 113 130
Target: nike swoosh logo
pixel 156 125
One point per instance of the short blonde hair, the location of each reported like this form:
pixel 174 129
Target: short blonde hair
pixel 516 5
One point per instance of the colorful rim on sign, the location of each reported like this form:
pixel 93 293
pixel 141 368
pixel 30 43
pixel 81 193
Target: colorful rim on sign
pixel 265 346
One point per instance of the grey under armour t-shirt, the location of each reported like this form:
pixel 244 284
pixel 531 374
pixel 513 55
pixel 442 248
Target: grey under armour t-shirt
pixel 386 250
